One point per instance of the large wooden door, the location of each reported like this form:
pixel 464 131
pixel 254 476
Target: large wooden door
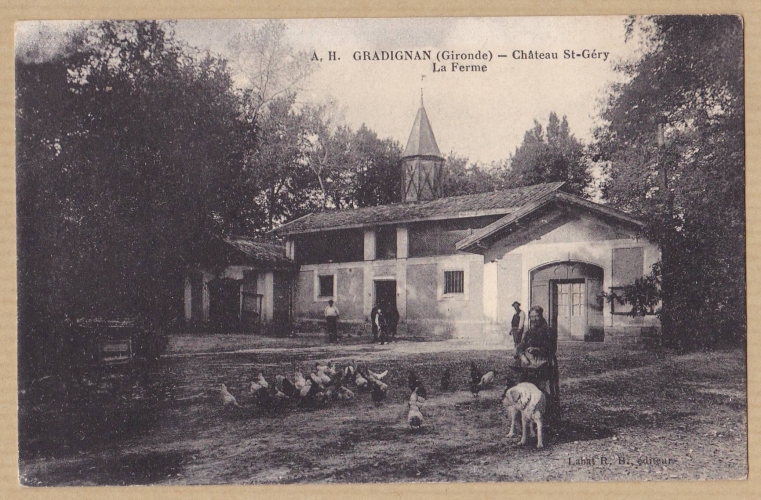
pixel 570 309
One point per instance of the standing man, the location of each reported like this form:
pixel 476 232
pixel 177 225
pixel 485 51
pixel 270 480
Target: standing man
pixel 517 325
pixel 393 321
pixel 331 318
pixel 374 322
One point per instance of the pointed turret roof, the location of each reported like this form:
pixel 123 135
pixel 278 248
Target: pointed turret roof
pixel 421 141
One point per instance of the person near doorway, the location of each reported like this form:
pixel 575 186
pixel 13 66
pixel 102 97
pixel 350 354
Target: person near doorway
pixel 382 324
pixel 331 318
pixel 392 320
pixel 536 344
pixel 517 325
pixel 374 322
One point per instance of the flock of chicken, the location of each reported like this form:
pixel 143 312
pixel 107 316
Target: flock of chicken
pixel 328 382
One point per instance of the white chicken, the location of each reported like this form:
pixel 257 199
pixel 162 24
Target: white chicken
pixel 227 398
pixel 298 380
pixel 414 416
pixel 360 381
pixel 306 388
pixel 323 377
pixel 261 381
pixel 377 376
pixel 487 379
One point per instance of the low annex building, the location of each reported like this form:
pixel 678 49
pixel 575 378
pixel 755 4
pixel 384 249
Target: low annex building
pixel 246 286
pixel 453 266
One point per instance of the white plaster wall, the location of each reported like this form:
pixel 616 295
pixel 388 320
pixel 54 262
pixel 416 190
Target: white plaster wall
pixel 491 295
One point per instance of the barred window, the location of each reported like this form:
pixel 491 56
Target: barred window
pixel 326 286
pixel 454 282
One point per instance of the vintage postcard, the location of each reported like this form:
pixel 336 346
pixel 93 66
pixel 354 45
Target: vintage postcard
pixel 381 250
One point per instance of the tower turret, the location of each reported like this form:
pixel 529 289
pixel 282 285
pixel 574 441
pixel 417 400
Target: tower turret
pixel 422 162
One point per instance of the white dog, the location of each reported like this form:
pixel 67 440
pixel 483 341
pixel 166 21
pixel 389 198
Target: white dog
pixel 527 399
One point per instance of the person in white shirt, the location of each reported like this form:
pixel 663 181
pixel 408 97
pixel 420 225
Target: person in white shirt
pixel 331 318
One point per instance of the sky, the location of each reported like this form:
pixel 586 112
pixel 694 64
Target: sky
pixel 479 115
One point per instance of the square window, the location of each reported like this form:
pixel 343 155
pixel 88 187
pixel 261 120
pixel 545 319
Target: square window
pixel 326 285
pixel 454 282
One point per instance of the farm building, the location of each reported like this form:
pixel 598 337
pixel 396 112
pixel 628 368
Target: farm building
pixel 248 286
pixel 452 266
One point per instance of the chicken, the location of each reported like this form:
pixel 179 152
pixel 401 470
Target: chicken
pixel 254 388
pixel 298 380
pixel 487 379
pixel 446 379
pixel 331 392
pixel 323 377
pixel 278 395
pixel 311 393
pixel 360 381
pixel 415 385
pixel 228 399
pixel 379 391
pixel 348 373
pixel 306 388
pixel 261 381
pixel 475 379
pixel 377 376
pixel 414 416
pixel 345 393
pixel 315 379
pixel 288 388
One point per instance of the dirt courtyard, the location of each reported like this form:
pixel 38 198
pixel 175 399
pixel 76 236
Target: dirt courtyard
pixel 628 414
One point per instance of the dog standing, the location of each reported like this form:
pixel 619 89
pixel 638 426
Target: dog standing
pixel 527 399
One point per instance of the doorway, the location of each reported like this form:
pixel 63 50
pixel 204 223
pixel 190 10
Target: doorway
pixel 569 293
pixel 569 308
pixel 385 293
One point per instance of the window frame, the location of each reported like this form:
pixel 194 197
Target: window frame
pixel 318 288
pixel 451 277
pixel 464 295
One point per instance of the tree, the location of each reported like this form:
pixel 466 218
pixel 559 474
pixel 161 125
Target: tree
pixel 129 158
pixel 674 138
pixel 277 169
pixel 268 64
pixel 462 178
pixel 550 156
pixel 376 163
pixel 327 152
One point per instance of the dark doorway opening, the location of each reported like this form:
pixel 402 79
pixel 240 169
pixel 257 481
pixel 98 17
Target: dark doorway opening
pixel 224 302
pixel 385 293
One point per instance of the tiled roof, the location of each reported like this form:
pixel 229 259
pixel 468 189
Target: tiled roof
pixel 475 242
pixel 421 141
pixel 269 254
pixel 491 203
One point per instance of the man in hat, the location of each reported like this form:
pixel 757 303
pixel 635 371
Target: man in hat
pixel 518 324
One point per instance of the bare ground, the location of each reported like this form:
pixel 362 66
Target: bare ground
pixel 627 415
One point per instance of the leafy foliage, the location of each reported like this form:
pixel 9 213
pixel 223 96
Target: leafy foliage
pixel 550 155
pixel 462 178
pixel 129 158
pixel 675 141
